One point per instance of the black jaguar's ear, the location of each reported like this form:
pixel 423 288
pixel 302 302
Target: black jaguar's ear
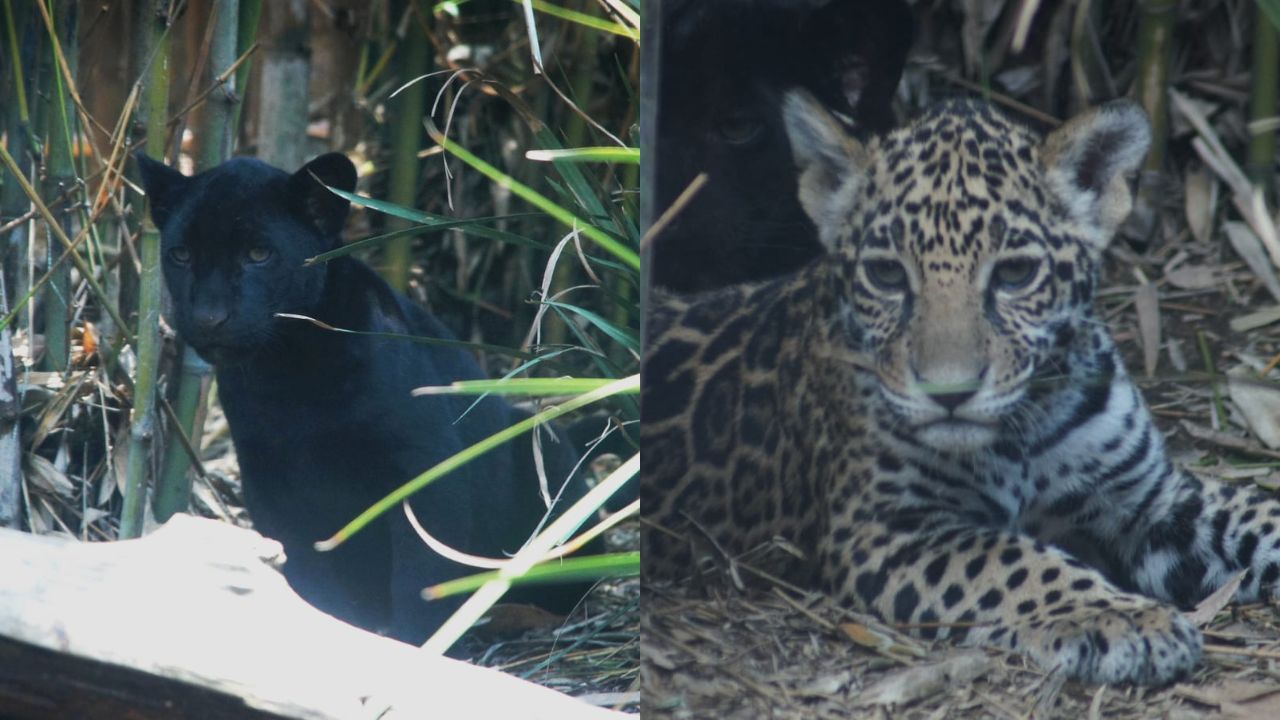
pixel 327 210
pixel 857 54
pixel 832 164
pixel 1087 160
pixel 164 186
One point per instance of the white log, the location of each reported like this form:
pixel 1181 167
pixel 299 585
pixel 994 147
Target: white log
pixel 198 601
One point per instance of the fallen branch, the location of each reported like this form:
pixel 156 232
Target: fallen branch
pixel 192 621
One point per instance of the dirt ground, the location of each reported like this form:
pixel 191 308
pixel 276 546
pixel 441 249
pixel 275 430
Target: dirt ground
pixel 783 654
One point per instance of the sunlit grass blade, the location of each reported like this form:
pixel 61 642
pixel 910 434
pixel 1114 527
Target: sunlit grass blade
pixel 533 387
pixel 484 598
pixel 568 570
pixel 631 156
pixel 625 385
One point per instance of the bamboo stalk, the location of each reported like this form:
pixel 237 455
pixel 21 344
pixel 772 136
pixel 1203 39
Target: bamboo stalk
pixel 281 107
pixel 217 137
pixel 409 107
pixel 142 53
pixel 13 266
pixel 1262 102
pixel 247 33
pixel 17 127
pixel 1155 47
pixel 152 41
pixel 60 128
pixel 173 490
pixel 651 30
pixel 10 413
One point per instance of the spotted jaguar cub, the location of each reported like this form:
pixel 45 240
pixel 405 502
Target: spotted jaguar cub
pixel 933 414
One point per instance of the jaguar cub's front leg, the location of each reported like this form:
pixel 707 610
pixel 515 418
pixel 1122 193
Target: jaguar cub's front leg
pixel 1206 533
pixel 1001 589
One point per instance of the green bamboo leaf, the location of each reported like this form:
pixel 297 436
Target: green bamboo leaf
pixel 624 337
pixel 1272 9
pixel 586 193
pixel 15 62
pixel 568 570
pixel 585 20
pixel 538 200
pixel 467 225
pixel 627 155
pixel 431 222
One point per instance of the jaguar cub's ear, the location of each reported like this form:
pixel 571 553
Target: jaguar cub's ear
pixel 1087 160
pixel 324 209
pixel 164 186
pixel 833 165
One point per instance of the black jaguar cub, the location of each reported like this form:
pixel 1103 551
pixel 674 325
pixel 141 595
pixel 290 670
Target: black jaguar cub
pixel 323 423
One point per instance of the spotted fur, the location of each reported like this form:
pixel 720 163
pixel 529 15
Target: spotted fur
pixel 933 417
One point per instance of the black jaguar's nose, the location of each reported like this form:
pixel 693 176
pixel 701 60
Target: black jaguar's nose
pixel 206 319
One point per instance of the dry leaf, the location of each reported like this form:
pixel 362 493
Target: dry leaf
pixel 882 640
pixel 828 683
pixel 1147 303
pixel 1259 402
pixel 1192 277
pixel 1237 698
pixel 1209 607
pixel 1201 192
pixel 43 475
pixel 910 684
pixel 1249 248
pixel 1255 320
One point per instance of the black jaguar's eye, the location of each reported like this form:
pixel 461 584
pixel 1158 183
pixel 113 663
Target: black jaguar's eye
pixel 886 274
pixel 740 129
pixel 1014 273
pixel 180 255
pixel 259 254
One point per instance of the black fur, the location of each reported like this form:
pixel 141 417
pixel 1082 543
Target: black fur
pixel 724 68
pixel 323 423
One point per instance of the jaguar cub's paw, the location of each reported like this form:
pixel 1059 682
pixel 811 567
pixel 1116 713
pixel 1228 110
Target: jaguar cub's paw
pixel 1149 644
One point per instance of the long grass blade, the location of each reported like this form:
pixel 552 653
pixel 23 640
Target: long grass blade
pixel 538 200
pixel 574 569
pixel 625 385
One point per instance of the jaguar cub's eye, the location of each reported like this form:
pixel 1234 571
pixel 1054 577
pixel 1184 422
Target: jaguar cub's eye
pixel 740 129
pixel 886 274
pixel 180 255
pixel 259 254
pixel 1014 273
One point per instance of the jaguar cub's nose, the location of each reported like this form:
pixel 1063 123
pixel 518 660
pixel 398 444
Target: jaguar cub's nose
pixel 952 400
